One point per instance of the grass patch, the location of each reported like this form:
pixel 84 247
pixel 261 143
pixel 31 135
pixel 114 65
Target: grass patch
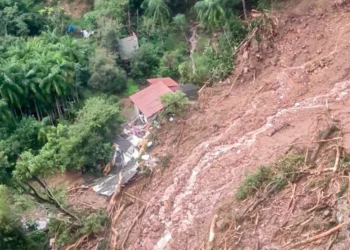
pixel 131 87
pixel 275 176
pixel 165 160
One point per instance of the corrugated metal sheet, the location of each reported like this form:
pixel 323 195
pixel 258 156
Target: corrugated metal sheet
pixel 148 99
pixel 169 82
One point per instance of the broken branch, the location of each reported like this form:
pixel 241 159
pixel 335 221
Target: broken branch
pixel 117 190
pixel 336 164
pixel 212 232
pixel 79 242
pixel 132 225
pixel 320 236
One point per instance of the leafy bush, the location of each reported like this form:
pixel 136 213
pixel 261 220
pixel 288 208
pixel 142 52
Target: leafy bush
pixel 37 240
pixel 175 103
pixel 276 176
pixel 105 75
pixel 87 141
pixel 131 87
pixel 170 62
pixel 11 232
pixel 145 61
pixel 253 182
pixel 66 234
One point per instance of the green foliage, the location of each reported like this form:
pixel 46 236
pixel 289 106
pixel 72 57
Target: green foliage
pixel 180 22
pixel 165 160
pixel 105 75
pixel 253 181
pixel 83 144
pixel 145 61
pixel 175 103
pixel 266 4
pixel 37 240
pixel 170 62
pixel 215 62
pixel 275 176
pixel 211 13
pixel 65 234
pixel 157 12
pixel 42 69
pixel 94 223
pixel 87 142
pixel 20 18
pixel 11 232
pixel 107 9
pixel 24 137
pixel 131 87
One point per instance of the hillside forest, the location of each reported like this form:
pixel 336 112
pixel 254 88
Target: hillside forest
pixel 60 92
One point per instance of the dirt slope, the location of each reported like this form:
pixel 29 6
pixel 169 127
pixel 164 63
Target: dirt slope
pixel 299 76
pixel 76 8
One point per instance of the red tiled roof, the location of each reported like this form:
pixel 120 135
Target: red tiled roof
pixel 167 81
pixel 148 99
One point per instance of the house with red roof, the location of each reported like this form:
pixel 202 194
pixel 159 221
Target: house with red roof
pixel 147 101
pixel 170 83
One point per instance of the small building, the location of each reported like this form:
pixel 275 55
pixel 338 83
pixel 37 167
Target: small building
pixel 128 46
pixel 147 101
pixel 170 83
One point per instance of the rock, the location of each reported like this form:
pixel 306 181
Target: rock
pixel 148 244
pixel 274 61
pixel 157 226
pixel 319 51
pixel 221 224
pixel 245 70
pixel 326 212
pixel 254 44
pixel 245 55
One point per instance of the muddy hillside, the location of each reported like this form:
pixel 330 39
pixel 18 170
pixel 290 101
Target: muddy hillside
pixel 284 92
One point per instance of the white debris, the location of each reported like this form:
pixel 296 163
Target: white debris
pixel 145 157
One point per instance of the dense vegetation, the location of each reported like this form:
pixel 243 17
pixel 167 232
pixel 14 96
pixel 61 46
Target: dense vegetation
pixel 59 92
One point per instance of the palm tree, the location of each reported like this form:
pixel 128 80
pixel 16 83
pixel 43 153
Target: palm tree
pixel 9 89
pixel 211 13
pixel 31 83
pixel 158 13
pixel 5 112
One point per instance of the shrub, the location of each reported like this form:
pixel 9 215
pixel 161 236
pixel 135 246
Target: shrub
pixel 170 62
pixel 131 87
pixel 144 61
pixel 175 103
pixel 276 176
pixel 253 182
pixel 105 75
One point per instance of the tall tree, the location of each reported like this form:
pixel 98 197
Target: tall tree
pixel 211 13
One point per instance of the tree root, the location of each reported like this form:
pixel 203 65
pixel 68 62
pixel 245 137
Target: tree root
pixel 132 225
pixel 319 236
pixel 322 137
pixel 79 242
pixel 112 202
pixel 114 232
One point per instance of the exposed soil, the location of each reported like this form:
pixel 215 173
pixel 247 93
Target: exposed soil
pixel 76 8
pixel 293 87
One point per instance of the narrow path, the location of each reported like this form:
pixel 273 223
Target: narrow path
pixel 193 45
